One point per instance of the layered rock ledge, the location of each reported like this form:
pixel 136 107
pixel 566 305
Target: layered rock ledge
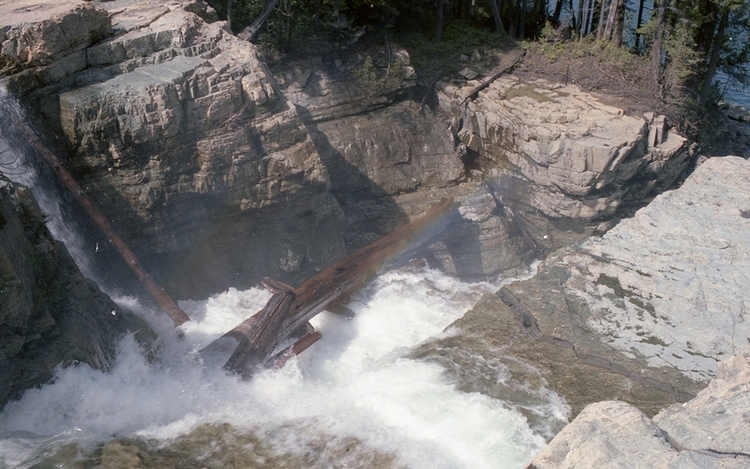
pixel 642 314
pixel 219 170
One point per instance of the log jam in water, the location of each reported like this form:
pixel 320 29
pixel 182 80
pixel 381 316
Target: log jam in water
pixel 352 400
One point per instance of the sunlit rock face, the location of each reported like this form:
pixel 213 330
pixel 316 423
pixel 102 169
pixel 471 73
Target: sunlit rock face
pixel 641 314
pixel 175 128
pixel 708 431
pixel 50 315
pixel 219 170
pixel 558 157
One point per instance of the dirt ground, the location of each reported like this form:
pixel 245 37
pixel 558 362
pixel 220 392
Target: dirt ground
pixel 614 77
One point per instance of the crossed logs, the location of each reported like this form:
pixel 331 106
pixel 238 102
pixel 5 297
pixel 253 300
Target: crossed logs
pixel 283 323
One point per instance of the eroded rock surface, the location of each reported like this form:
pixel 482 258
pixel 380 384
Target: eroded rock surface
pixel 219 171
pixel 174 126
pixel 641 314
pixel 706 432
pixel 50 315
pixel 557 158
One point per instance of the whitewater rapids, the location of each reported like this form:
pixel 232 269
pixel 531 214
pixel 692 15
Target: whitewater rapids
pixel 355 383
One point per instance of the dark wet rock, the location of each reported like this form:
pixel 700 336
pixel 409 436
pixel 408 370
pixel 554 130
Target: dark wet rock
pixel 50 315
pixel 225 446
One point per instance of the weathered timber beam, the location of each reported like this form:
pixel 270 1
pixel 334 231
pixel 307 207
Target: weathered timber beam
pixel 165 301
pixel 340 279
pixel 475 92
pixel 260 341
pixel 363 265
pixel 300 346
pixel 252 31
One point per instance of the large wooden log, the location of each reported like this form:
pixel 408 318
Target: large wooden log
pixel 337 281
pixel 474 93
pixel 261 341
pixel 163 299
pixel 357 269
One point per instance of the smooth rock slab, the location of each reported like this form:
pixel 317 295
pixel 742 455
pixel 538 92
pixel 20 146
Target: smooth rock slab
pixel 717 420
pixel 670 282
pixel 642 314
pixel 709 431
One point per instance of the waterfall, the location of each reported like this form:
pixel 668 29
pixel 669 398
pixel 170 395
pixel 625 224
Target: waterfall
pixel 17 163
pixel 355 399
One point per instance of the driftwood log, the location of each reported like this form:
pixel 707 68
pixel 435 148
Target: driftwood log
pixel 250 339
pixel 495 75
pixel 260 341
pixel 252 31
pixel 163 299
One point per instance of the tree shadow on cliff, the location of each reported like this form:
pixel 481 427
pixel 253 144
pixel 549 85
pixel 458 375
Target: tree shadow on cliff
pixel 370 212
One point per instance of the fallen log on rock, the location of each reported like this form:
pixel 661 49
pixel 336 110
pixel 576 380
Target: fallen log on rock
pixel 313 296
pixel 163 299
pixel 252 31
pixel 261 341
pixel 497 74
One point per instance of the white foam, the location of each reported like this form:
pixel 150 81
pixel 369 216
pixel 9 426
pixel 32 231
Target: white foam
pixel 354 382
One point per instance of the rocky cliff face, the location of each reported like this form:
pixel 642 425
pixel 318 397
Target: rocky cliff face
pixel 169 123
pixel 642 314
pixel 560 160
pixel 50 315
pixel 219 171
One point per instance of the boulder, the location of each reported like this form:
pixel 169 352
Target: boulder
pixel 706 432
pixel 38 34
pixel 558 156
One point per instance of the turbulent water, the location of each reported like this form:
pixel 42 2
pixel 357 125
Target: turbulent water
pixel 354 399
pixel 354 385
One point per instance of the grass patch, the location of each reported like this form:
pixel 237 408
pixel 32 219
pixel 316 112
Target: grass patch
pixel 526 91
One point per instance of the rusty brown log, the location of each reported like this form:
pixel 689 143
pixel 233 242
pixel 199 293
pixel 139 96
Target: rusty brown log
pixel 300 346
pixel 258 344
pixel 363 265
pixel 497 74
pixel 340 279
pixel 165 301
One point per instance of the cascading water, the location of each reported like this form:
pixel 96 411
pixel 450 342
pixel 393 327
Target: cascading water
pixel 355 399
pixel 14 164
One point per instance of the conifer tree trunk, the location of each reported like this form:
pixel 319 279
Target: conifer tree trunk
pixel 602 15
pixel 656 48
pixel 499 28
pixel 574 21
pixel 619 23
pixel 713 60
pixel 439 22
pixel 611 20
pixel 556 14
pixel 581 22
pixel 229 14
pixel 638 24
